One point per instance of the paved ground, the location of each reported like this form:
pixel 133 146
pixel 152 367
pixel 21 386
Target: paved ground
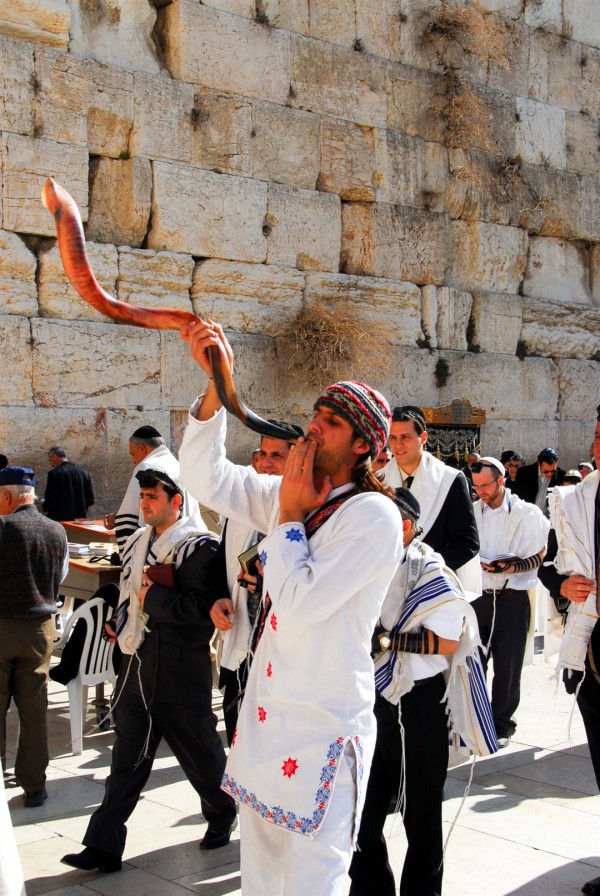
pixel 530 824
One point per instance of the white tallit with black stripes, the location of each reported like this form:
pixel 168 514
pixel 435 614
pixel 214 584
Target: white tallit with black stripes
pixel 173 546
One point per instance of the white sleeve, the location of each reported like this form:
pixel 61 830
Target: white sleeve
pixel 362 550
pixel 234 491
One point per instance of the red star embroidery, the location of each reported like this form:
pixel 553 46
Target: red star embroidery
pixel 289 767
pixel 234 737
pixel 262 714
pixel 269 670
pixel 274 622
pixel 332 762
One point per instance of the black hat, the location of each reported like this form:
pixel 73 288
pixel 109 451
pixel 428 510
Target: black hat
pixel 17 476
pixel 146 432
pixel 406 501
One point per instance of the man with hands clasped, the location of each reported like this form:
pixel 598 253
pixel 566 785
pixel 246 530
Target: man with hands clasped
pixel 302 750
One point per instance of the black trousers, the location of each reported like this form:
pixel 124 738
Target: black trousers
pixel 233 684
pixel 507 649
pixel 426 755
pixel 588 701
pixel 191 733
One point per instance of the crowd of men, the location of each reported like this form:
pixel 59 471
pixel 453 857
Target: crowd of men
pixel 358 582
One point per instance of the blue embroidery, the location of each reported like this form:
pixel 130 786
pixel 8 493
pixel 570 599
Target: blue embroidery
pixel 287 819
pixel 263 557
pixel 294 535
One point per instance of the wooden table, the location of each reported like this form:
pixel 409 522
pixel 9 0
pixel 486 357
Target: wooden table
pixel 84 578
pixel 88 531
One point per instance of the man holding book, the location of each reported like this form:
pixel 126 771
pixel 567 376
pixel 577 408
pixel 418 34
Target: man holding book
pixel 164 688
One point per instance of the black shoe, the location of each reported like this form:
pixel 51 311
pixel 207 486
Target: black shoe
pixel 93 860
pixel 215 838
pixel 35 798
pixel 592 888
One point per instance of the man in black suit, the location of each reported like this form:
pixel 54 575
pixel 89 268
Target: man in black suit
pixel 69 490
pixel 534 480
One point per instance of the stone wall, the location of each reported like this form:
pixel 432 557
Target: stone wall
pixel 433 164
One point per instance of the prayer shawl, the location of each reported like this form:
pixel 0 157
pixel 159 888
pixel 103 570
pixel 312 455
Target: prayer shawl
pixel 572 514
pixel 422 584
pixel 236 641
pixel 431 484
pixel 174 546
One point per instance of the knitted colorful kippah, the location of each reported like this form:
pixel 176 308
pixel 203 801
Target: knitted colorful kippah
pixel 367 411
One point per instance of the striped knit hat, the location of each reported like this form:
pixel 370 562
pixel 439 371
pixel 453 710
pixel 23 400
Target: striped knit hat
pixel 367 411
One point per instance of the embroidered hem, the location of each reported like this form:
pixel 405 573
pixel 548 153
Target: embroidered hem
pixel 287 819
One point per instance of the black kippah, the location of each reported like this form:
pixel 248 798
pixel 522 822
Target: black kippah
pixel 146 432
pixel 406 502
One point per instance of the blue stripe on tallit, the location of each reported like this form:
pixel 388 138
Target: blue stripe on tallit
pixel 481 702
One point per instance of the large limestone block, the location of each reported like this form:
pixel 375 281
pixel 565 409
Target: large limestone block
pixel 305 229
pixel 568 80
pixel 581 22
pixel 546 15
pixel 506 387
pixel 155 279
pixel 57 297
pixel 590 208
pixel 392 305
pixel 512 78
pixel 558 270
pixel 333 21
pixel 446 315
pixel 26 164
pixel 293 15
pixel 539 64
pixel 411 379
pixel 336 81
pixel 497 321
pixel 541 133
pixel 16 346
pixel 547 201
pixel 115 33
pixel 561 331
pixel 527 437
pixel 207 214
pixel 488 256
pixel 221 132
pixel 575 439
pixel 410 92
pixel 248 298
pixel 18 293
pixel 415 171
pixel 39 21
pixel 211 48
pixel 595 273
pixel 120 200
pixel 583 150
pixel 81 364
pixel 79 101
pixel 16 77
pixel 285 145
pixel 182 379
pixel 579 386
pixel 163 118
pixel 348 160
pixel 378 27
pixel 390 241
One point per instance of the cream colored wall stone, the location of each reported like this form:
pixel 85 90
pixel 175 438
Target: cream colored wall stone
pixel 429 314
pixel 348 160
pixel 57 297
pixel 505 387
pixel 378 27
pixel 411 378
pixel 548 202
pixel 117 426
pixel 410 92
pixel 39 21
pixel 214 49
pixel 333 21
pixel 163 118
pixel 181 378
pixel 514 77
pixel 497 321
pixel 292 15
pixel 26 164
pixel 557 270
pixel 595 273
pixel 120 201
pixel 221 133
pixel 390 304
pixel 247 298
pixel 415 172
pixel 453 313
pixel 305 229
pixel 579 385
pixel 488 256
pixel 285 145
pixel 207 214
pixel 16 345
pixel 115 33
pixel 581 22
pixel 389 241
pixel 574 441
pixel 18 293
pixel 583 148
pixel 567 78
pixel 590 208
pixel 155 279
pixel 541 133
pixel 81 364
pixel 560 330
pixel 336 81
pixel 526 437
pixel 79 101
pixel 546 15
pixel 16 75
pixel 539 63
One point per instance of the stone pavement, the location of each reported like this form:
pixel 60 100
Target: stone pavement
pixel 530 824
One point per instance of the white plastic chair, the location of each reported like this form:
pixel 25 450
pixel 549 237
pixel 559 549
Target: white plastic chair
pixel 95 665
